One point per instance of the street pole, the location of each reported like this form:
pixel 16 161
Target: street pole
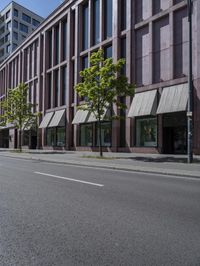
pixel 190 88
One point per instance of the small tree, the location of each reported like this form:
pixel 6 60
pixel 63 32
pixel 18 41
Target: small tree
pixel 101 86
pixel 17 110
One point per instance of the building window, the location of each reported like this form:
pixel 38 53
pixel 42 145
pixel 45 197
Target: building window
pixel 2 52
pixel 9 25
pixel 123 15
pixel 8 48
pixel 35 22
pixel 84 62
pixel 96 21
pixel 49 90
pixel 107 18
pixel 55 137
pixel 56 88
pixel 8 14
pixel 26 18
pixel 2 30
pixel 15 35
pixel 1 41
pixel 85 26
pixel 86 135
pixel 64 50
pixel 50 47
pixel 106 133
pixel 15 12
pixel 108 52
pixel 123 55
pixel 23 28
pixel 64 85
pixel 15 24
pixel 146 132
pixel 57 45
pixel 14 46
pixel 7 37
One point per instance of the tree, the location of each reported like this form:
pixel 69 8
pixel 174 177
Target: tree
pixel 17 110
pixel 102 86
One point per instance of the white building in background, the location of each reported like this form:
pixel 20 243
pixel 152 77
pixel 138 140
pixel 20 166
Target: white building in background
pixel 16 23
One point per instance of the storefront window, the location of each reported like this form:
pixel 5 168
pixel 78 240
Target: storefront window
pixel 86 135
pixel 146 132
pixel 55 136
pixel 60 137
pixel 105 134
pixel 51 135
pixel 26 138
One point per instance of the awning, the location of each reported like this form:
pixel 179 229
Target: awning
pixel 7 126
pixel 93 119
pixel 46 120
pixel 29 124
pixel 58 119
pixel 173 99
pixel 80 117
pixel 144 103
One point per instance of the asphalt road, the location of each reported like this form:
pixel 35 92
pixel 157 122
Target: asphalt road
pixel 54 214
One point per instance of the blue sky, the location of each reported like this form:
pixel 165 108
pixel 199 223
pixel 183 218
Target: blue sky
pixel 40 7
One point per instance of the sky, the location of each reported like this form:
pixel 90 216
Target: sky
pixel 40 7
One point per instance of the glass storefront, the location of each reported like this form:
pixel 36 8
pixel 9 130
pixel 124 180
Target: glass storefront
pixel 86 135
pixel 55 137
pixel 87 131
pixel 146 132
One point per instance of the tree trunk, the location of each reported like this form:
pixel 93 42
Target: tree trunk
pixel 20 140
pixel 100 140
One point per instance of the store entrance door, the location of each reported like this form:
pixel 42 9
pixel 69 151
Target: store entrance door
pixel 175 133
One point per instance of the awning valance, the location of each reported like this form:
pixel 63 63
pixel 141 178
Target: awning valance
pixel 46 120
pixel 173 99
pixel 58 119
pixel 144 103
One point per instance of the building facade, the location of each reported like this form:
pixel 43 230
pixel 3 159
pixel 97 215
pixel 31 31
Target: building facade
pixel 16 23
pixel 153 38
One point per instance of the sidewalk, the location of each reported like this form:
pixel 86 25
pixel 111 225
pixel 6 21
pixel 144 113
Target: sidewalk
pixel 151 163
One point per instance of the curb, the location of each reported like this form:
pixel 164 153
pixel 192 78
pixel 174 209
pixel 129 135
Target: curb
pixel 113 167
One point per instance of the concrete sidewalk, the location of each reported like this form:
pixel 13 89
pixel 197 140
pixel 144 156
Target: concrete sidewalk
pixel 151 163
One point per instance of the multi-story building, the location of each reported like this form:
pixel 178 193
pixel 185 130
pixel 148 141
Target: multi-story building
pixel 151 35
pixel 16 23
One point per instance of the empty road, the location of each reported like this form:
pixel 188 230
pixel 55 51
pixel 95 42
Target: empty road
pixel 53 214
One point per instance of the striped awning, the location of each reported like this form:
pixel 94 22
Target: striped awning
pixel 144 103
pixel 46 120
pixel 80 117
pixel 58 119
pixel 173 99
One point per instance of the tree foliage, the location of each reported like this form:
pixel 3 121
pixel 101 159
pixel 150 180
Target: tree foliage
pixel 17 110
pixel 102 86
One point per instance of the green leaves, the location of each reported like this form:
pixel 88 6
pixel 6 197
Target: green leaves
pixel 102 84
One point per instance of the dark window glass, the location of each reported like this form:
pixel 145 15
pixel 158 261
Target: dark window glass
pixel 146 132
pixel 15 35
pixel 15 12
pixel 50 48
pixel 123 14
pixel 8 14
pixel 49 90
pixel 2 30
pixel 84 62
pixel 8 48
pixel 51 136
pixel 86 135
pixel 9 25
pixel 7 38
pixel 15 24
pixel 57 44
pixel 23 28
pixel 1 41
pixel 23 37
pixel 60 136
pixel 14 46
pixel 108 52
pixel 108 18
pixel 55 137
pixel 35 22
pixel 123 54
pixel 56 88
pixel 85 26
pixel 177 1
pixel 64 85
pixel 26 18
pixel 64 40
pixel 96 22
